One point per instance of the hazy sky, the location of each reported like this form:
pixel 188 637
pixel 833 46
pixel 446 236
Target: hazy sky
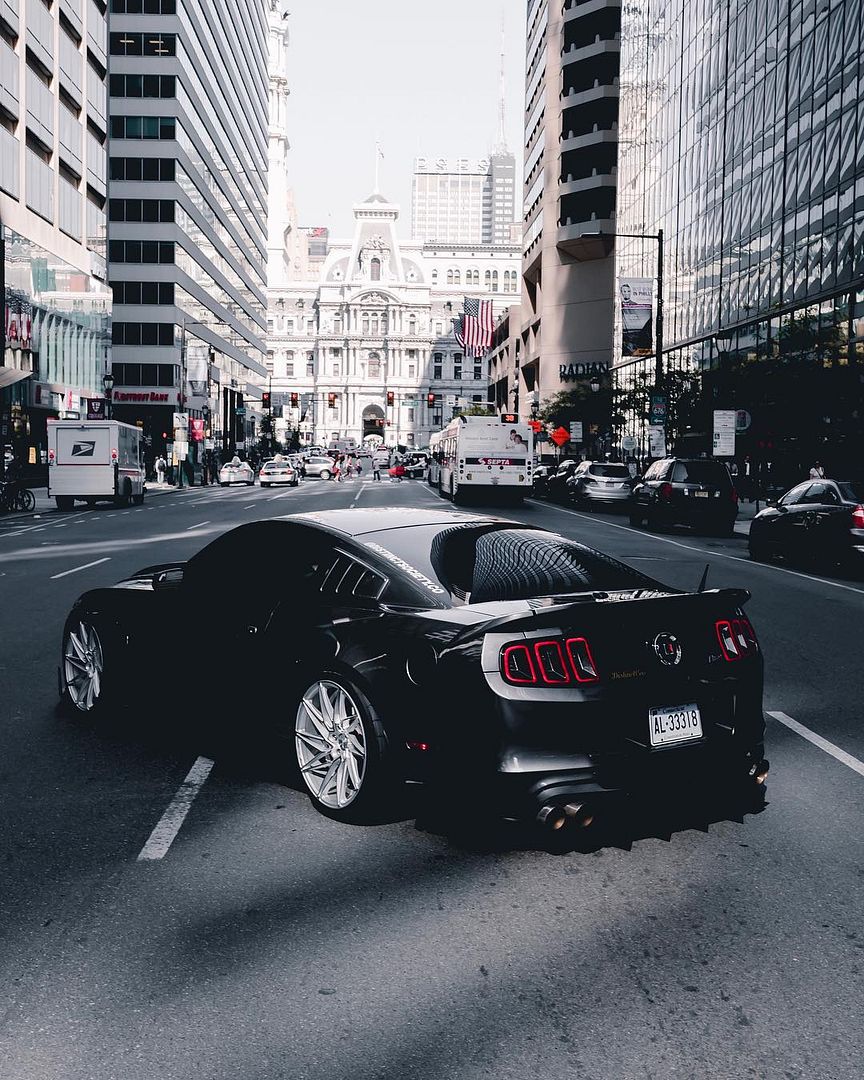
pixel 423 78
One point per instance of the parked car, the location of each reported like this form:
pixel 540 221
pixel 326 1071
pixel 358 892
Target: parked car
pixel 556 484
pixel 613 684
pixel 600 483
pixel 817 521
pixel 415 462
pixel 318 468
pixel 278 471
pixel 236 472
pixel 540 480
pixel 686 491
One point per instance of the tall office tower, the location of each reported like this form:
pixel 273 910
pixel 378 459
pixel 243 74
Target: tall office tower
pixel 738 139
pixel 464 200
pixel 57 306
pixel 571 149
pixel 188 212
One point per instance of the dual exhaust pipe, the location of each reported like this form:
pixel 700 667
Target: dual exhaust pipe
pixel 554 816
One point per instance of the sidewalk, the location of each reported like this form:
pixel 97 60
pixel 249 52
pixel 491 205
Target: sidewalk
pixel 746 513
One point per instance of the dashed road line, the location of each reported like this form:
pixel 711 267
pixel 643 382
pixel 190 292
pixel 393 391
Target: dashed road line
pixel 165 832
pixel 200 525
pixel 75 569
pixel 830 748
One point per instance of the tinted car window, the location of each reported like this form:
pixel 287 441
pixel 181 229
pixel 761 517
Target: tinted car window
pixel 822 493
pixel 701 472
pixel 852 490
pixel 655 471
pixel 796 495
pixel 619 472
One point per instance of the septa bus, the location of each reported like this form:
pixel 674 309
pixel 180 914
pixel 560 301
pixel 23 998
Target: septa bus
pixel 475 453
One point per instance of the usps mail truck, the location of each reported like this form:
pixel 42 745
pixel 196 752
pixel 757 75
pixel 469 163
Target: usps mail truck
pixel 95 460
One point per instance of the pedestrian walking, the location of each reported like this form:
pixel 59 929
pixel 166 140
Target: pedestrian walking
pixel 160 470
pixel 376 468
pixel 337 471
pixel 817 472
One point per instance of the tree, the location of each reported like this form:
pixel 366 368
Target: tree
pixel 477 408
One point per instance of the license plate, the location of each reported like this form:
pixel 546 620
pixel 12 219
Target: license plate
pixel 701 494
pixel 674 724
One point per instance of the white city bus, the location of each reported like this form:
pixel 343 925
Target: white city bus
pixel 475 453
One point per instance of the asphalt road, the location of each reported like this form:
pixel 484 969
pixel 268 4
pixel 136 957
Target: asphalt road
pixel 272 942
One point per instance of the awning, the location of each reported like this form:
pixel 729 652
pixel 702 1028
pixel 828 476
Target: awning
pixel 10 375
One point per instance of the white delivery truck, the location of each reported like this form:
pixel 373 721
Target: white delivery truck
pixel 95 460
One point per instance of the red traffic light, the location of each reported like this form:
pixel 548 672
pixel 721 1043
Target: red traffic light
pixel 295 400
pixel 430 400
pixel 265 400
pixel 390 397
pixel 331 401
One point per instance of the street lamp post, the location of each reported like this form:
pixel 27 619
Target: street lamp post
pixel 108 387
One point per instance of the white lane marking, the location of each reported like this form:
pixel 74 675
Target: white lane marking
pixel 169 824
pixel 817 740
pixel 357 496
pixel 702 551
pixel 249 506
pixel 200 525
pixel 112 515
pixel 282 495
pixel 75 569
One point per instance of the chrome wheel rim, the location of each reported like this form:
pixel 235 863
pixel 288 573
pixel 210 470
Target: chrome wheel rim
pixel 331 744
pixel 83 666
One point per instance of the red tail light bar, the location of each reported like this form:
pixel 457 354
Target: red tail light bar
pixel 858 517
pixel 556 662
pixel 737 638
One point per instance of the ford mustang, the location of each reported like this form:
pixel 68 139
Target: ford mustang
pixel 430 645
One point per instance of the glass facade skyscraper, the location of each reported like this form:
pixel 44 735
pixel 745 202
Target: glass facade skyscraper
pixel 742 137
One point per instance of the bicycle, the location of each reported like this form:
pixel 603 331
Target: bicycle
pixel 14 497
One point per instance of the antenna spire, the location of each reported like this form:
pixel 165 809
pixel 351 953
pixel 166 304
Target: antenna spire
pixel 502 102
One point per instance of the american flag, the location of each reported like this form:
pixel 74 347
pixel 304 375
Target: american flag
pixel 459 331
pixel 482 312
pixel 474 335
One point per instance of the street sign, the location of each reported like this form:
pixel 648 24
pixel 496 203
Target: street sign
pixel 576 431
pixel 240 410
pixel 535 426
pixel 724 433
pixel 657 441
pixel 181 421
pixel 96 408
pixel 628 443
pixel 560 436
pixel 657 411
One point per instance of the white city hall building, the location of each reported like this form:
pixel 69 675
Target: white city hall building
pixel 364 346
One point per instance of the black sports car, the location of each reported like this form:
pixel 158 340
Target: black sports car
pixel 819 521
pixel 430 644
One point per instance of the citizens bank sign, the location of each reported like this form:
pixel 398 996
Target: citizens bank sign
pixel 571 372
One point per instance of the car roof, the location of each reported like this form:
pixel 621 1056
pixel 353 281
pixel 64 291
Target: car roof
pixel 358 522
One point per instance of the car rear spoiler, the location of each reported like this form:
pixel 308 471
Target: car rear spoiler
pixel 552 614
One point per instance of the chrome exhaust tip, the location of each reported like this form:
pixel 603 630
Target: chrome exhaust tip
pixel 578 814
pixel 551 816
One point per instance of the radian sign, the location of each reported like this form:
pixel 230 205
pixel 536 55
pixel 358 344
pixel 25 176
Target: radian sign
pixel 569 372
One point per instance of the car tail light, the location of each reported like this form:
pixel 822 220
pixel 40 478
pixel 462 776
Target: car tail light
pixel 737 638
pixel 666 491
pixel 857 516
pixel 554 662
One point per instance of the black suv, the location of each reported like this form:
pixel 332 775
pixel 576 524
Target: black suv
pixel 686 491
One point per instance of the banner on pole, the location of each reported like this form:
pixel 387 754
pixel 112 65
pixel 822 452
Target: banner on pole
pixel 724 433
pixel 637 338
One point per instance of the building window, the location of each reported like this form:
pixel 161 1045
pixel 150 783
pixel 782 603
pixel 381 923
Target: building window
pixel 144 7
pixel 412 326
pixel 142 168
pixel 141 251
pixel 449 277
pixel 434 277
pixel 478 372
pixel 310 363
pixel 364 325
pixel 289 326
pixel 374 369
pixel 337 324
pixel 143 127
pixel 143 292
pixel 487 278
pixel 412 371
pixel 410 416
pixel 495 281
pixel 289 365
pixel 436 371
pixel 375 268
pixel 457 277
pixel 143 86
pixel 127 43
pixel 269 363
pixel 457 371
pixel 133 333
pixel 337 368
pixel 141 210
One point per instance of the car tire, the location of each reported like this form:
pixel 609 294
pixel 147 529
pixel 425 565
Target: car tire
pixel 121 501
pixel 727 529
pixel 85 653
pixel 65 503
pixel 325 474
pixel 341 750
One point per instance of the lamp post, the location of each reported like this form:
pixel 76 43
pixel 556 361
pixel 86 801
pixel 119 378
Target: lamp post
pixel 108 387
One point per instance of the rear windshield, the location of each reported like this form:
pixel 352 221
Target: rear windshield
pixel 852 490
pixel 478 564
pixel 620 472
pixel 701 472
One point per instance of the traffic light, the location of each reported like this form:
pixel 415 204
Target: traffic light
pixel 295 401
pixel 331 401
pixel 430 400
pixel 265 400
pixel 390 397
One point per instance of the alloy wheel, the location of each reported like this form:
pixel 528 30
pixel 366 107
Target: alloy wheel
pixel 83 666
pixel 331 744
